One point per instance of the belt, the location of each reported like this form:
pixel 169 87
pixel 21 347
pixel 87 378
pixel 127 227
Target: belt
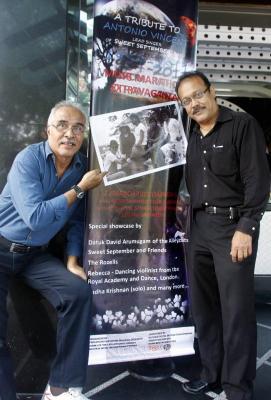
pixel 231 212
pixel 18 247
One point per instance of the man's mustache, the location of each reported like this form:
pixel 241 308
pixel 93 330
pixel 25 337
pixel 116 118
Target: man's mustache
pixel 197 109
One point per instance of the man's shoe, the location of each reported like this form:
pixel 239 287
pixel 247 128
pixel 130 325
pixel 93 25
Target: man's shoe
pixel 199 386
pixel 71 394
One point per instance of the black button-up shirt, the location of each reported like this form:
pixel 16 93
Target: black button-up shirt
pixel 228 167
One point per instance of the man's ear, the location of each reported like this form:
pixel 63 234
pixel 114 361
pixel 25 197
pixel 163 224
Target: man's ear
pixel 212 91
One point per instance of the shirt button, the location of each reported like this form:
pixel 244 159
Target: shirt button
pixel 204 151
pixel 206 204
pixel 205 186
pixel 204 168
pixel 253 228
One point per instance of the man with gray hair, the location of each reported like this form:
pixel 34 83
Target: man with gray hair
pixel 44 192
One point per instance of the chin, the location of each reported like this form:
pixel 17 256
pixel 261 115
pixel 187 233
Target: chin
pixel 200 118
pixel 196 119
pixel 68 154
pixel 68 150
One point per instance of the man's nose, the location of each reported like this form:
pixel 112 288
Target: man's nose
pixel 194 101
pixel 69 132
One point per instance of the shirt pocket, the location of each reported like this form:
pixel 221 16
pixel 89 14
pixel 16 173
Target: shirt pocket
pixel 223 160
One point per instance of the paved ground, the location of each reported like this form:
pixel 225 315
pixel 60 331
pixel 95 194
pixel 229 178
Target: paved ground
pixel 116 381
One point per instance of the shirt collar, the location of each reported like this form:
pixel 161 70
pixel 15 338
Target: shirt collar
pixel 224 114
pixel 77 160
pixel 48 149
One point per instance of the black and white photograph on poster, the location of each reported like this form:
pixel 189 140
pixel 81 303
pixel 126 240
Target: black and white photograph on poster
pixel 139 141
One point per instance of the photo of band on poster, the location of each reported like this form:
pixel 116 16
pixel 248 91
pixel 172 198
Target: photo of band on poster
pixel 136 231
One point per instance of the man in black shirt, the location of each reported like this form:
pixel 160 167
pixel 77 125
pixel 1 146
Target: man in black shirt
pixel 228 181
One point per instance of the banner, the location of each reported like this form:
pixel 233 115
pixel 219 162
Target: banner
pixel 135 242
pixel 140 49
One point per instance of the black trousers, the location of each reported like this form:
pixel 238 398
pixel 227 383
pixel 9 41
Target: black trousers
pixel 222 297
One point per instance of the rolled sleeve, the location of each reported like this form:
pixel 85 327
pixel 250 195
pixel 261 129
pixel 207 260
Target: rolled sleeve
pixel 60 205
pixel 75 232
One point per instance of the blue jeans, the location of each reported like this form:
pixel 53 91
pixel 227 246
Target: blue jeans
pixel 70 296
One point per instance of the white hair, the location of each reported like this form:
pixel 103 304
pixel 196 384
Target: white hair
pixel 66 103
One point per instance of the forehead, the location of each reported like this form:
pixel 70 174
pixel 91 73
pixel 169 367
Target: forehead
pixel 190 85
pixel 69 114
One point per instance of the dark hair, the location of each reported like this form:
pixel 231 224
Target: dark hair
pixel 152 118
pixel 135 117
pixel 124 128
pixel 192 74
pixel 165 110
pixel 113 143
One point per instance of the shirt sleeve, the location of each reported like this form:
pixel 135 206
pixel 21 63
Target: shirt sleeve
pixel 254 173
pixel 27 194
pixel 109 159
pixel 75 232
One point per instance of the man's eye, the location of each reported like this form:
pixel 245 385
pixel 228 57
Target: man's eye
pixel 198 95
pixel 61 124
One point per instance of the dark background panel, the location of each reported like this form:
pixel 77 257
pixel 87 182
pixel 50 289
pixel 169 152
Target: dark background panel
pixel 32 80
pixel 32 71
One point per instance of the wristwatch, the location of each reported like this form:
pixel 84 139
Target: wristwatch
pixel 79 192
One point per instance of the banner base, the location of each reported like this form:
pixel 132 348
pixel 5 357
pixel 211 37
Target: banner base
pixel 152 370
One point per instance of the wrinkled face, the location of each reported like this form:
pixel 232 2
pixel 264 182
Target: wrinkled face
pixel 202 110
pixel 66 132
